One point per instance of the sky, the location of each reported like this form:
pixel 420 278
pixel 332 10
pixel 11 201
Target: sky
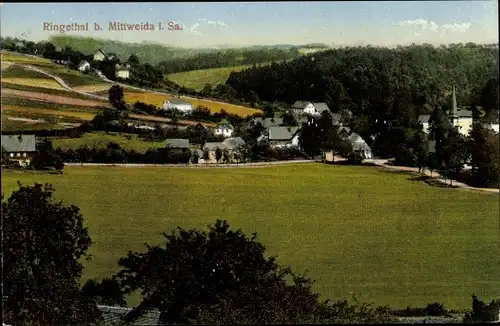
pixel 265 23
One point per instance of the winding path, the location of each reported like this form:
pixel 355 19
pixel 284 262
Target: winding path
pixel 435 175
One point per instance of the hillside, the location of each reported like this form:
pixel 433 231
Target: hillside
pixel 197 79
pixel 146 52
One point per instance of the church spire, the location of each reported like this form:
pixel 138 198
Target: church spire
pixel 453 105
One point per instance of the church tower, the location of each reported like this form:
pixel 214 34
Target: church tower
pixel 453 113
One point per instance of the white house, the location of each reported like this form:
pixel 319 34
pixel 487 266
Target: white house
pixel 99 55
pixel 306 107
pixel 178 104
pixel 424 120
pixel 84 66
pixel 122 71
pixel 359 145
pixel 224 128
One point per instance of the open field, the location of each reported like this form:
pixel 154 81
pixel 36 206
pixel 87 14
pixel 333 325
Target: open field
pixel 358 230
pixel 17 125
pixel 50 98
pixel 197 79
pixel 16 72
pixel 38 82
pixel 102 88
pixel 72 77
pixel 101 140
pixel 61 92
pixel 35 112
pixel 214 107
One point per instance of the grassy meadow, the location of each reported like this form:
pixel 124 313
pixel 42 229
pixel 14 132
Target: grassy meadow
pixel 197 79
pixel 214 107
pixel 358 230
pixel 101 139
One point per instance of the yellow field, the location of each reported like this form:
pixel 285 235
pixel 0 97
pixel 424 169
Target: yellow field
pixel 214 107
pixel 35 82
pixel 93 88
pixel 88 116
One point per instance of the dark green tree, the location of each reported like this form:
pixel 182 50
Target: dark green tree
pixel 218 154
pixel 223 277
pixel 482 312
pixel 116 97
pixel 454 153
pixel 43 245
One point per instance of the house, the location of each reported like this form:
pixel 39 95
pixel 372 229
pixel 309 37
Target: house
pixel 199 153
pixel 178 104
pixel 337 119
pixel 460 118
pixel 99 55
pixel 267 122
pixel 177 143
pixel 344 132
pixel 494 125
pixel 424 120
pixel 359 145
pixel 84 66
pixel 122 71
pixel 306 107
pixel 233 145
pixel 281 137
pixel 224 128
pixel 177 150
pixel 20 148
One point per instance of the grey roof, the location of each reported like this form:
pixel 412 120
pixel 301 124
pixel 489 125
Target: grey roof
pixel 462 113
pixel 212 146
pixel 269 122
pixel 233 142
pixel 178 101
pixel 282 133
pixel 358 143
pixel 300 104
pixel 320 107
pixel 346 129
pixel 115 316
pixel 177 143
pixel 19 143
pixel 336 117
pixel 424 118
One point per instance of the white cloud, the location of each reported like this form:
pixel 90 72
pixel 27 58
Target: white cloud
pixel 425 25
pixel 194 29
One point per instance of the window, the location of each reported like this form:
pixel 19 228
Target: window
pixel 24 154
pixel 11 154
pixel 18 154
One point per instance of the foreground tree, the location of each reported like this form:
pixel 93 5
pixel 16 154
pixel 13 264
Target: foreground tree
pixel 47 156
pixel 454 153
pixel 482 312
pixel 116 97
pixel 223 277
pixel 44 242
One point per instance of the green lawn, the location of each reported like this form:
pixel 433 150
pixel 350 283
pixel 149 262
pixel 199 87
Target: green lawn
pixel 197 79
pixel 358 230
pixel 101 140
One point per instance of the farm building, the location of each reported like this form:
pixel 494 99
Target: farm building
pixel 177 150
pixel 178 104
pixel 99 55
pixel 281 137
pixel 232 145
pixel 267 122
pixel 84 66
pixel 122 71
pixel 359 145
pixel 224 128
pixel 20 148
pixel 309 108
